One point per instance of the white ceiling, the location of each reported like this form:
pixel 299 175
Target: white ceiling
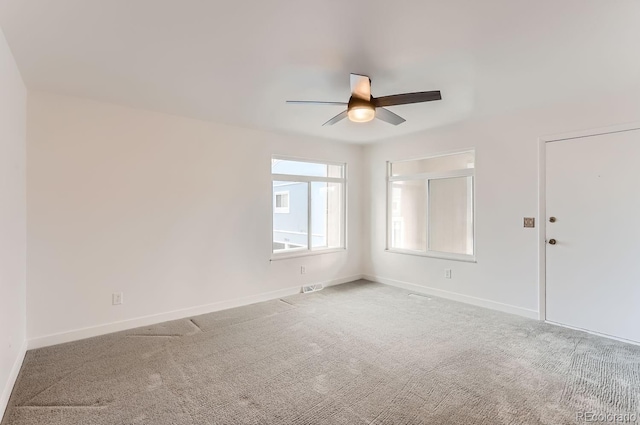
pixel 237 62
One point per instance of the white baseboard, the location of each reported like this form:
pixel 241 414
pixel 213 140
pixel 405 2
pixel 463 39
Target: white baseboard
pixel 11 381
pixel 481 302
pixel 340 281
pixel 74 335
pixel 615 338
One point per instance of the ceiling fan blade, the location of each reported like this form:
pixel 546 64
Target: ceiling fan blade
pixel 406 98
pixel 388 116
pixel 315 102
pixel 360 86
pixel 342 115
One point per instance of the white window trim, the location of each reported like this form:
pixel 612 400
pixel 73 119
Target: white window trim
pixel 467 172
pixel 281 210
pixel 303 252
pixel 435 254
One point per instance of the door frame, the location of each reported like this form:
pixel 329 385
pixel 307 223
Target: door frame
pixel 542 198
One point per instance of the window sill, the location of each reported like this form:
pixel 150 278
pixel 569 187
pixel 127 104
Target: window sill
pixel 439 255
pixel 305 253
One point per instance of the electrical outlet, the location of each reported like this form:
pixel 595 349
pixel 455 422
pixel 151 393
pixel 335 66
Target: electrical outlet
pixel 447 273
pixel 303 270
pixel 116 298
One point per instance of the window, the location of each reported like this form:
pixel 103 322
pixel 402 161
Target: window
pixel 281 203
pixel 308 206
pixel 397 230
pixel 430 209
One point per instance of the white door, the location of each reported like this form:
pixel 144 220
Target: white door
pixel 593 269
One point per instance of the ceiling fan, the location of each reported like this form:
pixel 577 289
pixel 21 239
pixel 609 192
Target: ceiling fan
pixel 362 107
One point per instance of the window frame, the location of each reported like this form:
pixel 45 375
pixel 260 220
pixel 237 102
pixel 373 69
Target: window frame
pixel 427 177
pixel 303 252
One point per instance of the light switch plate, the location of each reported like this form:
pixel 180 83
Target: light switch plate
pixel 529 222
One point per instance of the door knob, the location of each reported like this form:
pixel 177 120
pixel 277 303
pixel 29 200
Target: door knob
pixel 552 219
pixel 552 242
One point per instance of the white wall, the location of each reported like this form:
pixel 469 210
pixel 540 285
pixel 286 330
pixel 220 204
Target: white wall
pixel 172 211
pixel 175 212
pixel 13 109
pixel 506 273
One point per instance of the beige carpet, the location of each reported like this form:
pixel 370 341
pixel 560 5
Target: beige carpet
pixel 359 353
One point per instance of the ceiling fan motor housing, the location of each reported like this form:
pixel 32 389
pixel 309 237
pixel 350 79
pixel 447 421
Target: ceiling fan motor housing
pixel 356 102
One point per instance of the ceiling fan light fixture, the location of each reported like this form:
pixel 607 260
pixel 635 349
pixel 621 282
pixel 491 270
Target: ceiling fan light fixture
pixel 362 113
